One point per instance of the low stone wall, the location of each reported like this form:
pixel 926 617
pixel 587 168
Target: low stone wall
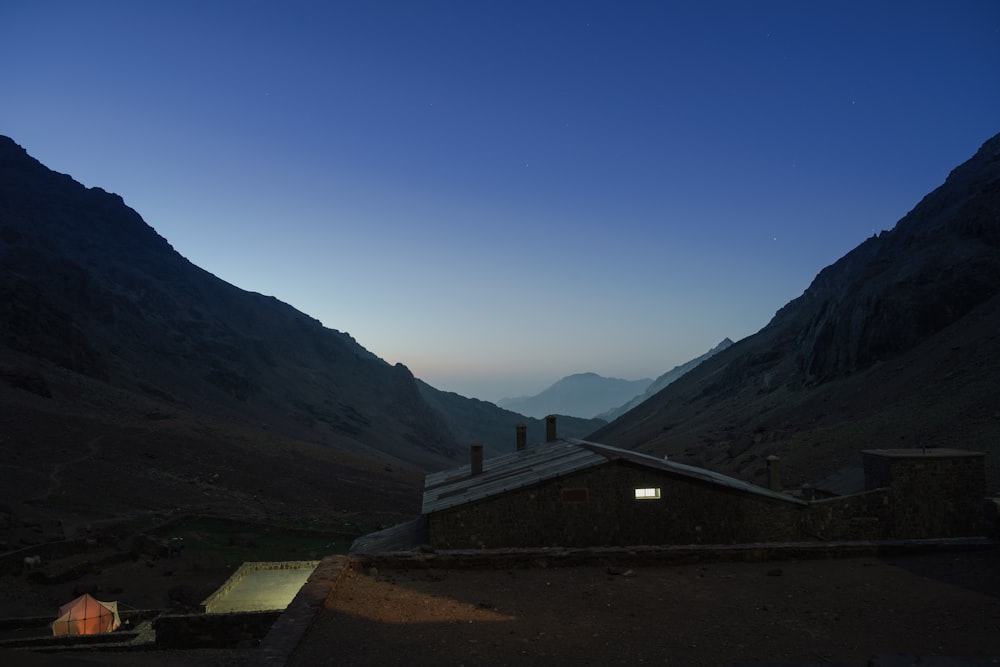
pixel 501 559
pixel 13 561
pixel 858 517
pixel 186 631
pixel 133 617
pixel 36 633
pixel 74 572
pixel 71 640
pixel 288 630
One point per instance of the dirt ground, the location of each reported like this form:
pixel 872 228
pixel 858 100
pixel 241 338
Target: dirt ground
pixel 817 612
pixel 806 612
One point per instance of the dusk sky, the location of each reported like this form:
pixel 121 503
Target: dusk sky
pixel 499 194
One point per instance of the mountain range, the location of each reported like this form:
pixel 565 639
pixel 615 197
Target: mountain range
pixel 589 395
pixel 580 395
pixel 661 382
pixel 153 375
pixel 132 381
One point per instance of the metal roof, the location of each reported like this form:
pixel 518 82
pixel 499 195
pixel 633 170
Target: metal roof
pixel 530 466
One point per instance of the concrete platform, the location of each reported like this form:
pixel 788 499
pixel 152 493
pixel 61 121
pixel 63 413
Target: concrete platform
pixel 260 586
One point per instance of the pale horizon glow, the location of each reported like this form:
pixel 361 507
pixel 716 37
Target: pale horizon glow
pixel 498 195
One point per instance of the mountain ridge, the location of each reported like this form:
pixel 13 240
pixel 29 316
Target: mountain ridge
pixel 91 287
pixel 663 380
pixel 895 344
pixel 181 375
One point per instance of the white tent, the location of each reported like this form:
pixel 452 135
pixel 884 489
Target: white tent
pixel 86 616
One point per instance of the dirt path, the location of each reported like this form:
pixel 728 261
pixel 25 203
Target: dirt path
pixel 55 474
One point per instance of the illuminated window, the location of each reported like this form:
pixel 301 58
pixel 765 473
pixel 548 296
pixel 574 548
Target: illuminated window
pixel 652 493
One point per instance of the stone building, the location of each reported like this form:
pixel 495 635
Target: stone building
pixel 936 492
pixel 575 493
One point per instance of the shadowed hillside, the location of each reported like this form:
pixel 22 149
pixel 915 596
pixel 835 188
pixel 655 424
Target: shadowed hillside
pixel 89 287
pixel 122 364
pixel 895 345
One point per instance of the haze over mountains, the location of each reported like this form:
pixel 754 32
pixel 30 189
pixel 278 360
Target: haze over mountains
pixel 580 395
pixel 661 382
pixel 589 395
pixel 169 387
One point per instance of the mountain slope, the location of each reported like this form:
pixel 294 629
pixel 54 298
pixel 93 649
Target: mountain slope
pixel 89 287
pixel 581 395
pixel 661 382
pixel 126 368
pixel 897 344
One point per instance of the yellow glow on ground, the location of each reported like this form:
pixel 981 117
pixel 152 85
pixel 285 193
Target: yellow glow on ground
pixel 386 602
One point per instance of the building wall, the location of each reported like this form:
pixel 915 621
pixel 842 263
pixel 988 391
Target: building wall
pixel 860 516
pixel 932 495
pixel 597 507
pixel 907 498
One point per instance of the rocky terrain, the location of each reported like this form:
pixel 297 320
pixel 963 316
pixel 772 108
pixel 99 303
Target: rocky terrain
pixel 895 345
pixel 136 388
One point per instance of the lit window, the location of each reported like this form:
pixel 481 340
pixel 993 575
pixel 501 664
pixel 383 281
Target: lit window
pixel 652 493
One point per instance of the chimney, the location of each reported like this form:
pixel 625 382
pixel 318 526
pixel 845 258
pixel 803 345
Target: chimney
pixel 477 458
pixel 550 428
pixel 773 473
pixel 522 437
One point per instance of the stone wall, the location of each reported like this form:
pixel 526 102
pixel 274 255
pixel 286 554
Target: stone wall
pixel 934 492
pixel 912 494
pixel 858 517
pixel 13 561
pixel 598 507
pixel 185 631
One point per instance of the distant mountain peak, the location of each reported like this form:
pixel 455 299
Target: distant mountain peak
pixel 663 381
pixel 579 395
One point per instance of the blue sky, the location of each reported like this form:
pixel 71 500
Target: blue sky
pixel 499 194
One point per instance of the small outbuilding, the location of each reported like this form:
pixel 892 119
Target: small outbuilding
pixel 935 491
